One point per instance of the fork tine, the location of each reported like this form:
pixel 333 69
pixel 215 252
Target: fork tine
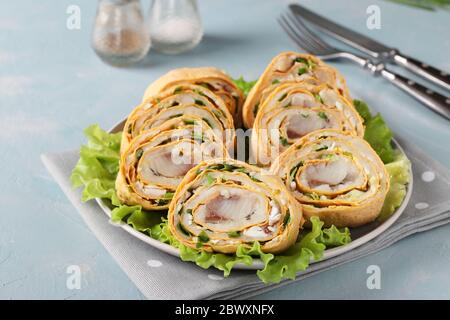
pixel 300 39
pixel 282 22
pixel 307 32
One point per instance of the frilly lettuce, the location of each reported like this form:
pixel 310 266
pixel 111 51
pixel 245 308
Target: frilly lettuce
pixel 399 173
pixel 96 171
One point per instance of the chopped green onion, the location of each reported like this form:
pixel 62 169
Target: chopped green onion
pixel 294 170
pixel 318 97
pixel 199 92
pixel 228 167
pixel 234 234
pixel 168 195
pixel 321 148
pixel 189 122
pixel 199 102
pixel 287 219
pixel 203 236
pixel 301 71
pixel 183 230
pixel 177 90
pixel 301 60
pixel 284 141
pixel 208 123
pixel 323 115
pixel 218 113
pixel 327 156
pixel 197 136
pixel 313 196
pixel 210 180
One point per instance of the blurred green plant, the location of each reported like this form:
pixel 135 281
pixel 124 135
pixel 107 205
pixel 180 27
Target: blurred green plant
pixel 430 5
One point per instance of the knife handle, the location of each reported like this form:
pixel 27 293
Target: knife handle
pixel 433 100
pixel 430 73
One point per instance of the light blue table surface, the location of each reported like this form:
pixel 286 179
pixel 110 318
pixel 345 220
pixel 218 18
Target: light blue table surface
pixel 52 86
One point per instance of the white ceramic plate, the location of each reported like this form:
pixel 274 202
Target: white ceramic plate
pixel 360 235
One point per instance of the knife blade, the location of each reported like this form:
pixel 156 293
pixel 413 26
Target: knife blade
pixel 373 48
pixel 350 37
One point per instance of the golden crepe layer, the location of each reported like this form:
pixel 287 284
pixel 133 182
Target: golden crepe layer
pixel 214 79
pixel 175 102
pixel 290 66
pixel 155 161
pixel 222 203
pixel 335 176
pixel 294 109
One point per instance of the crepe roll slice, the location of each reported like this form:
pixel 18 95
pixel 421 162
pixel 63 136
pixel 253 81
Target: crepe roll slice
pixel 212 78
pixel 223 203
pixel 155 162
pixel 175 102
pixel 335 176
pixel 290 66
pixel 295 109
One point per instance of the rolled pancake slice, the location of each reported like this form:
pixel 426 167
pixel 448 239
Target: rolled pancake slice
pixel 223 203
pixel 335 176
pixel 176 102
pixel 212 78
pixel 295 109
pixel 291 66
pixel 155 162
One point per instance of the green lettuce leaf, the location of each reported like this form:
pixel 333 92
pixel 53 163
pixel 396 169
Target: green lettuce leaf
pixel 377 133
pixel 244 86
pixel 399 172
pixel 97 169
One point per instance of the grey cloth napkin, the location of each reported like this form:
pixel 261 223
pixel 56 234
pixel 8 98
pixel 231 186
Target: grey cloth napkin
pixel 161 276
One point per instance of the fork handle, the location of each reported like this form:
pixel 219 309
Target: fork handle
pixel 433 100
pixel 430 73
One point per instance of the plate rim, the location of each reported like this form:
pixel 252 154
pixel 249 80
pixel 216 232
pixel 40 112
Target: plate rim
pixel 257 263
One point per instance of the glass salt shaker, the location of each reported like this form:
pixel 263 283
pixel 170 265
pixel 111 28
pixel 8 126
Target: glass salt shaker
pixel 174 25
pixel 119 36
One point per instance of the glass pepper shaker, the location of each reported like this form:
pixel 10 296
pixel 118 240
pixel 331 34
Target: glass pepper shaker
pixel 119 36
pixel 174 25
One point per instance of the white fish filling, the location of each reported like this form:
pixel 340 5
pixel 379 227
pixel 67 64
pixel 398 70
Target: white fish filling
pixel 151 191
pixel 283 63
pixel 185 99
pixel 225 193
pixel 255 233
pixel 274 215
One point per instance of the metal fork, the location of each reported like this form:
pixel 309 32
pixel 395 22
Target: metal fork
pixel 313 44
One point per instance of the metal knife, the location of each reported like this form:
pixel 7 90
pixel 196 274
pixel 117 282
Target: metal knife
pixel 373 47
